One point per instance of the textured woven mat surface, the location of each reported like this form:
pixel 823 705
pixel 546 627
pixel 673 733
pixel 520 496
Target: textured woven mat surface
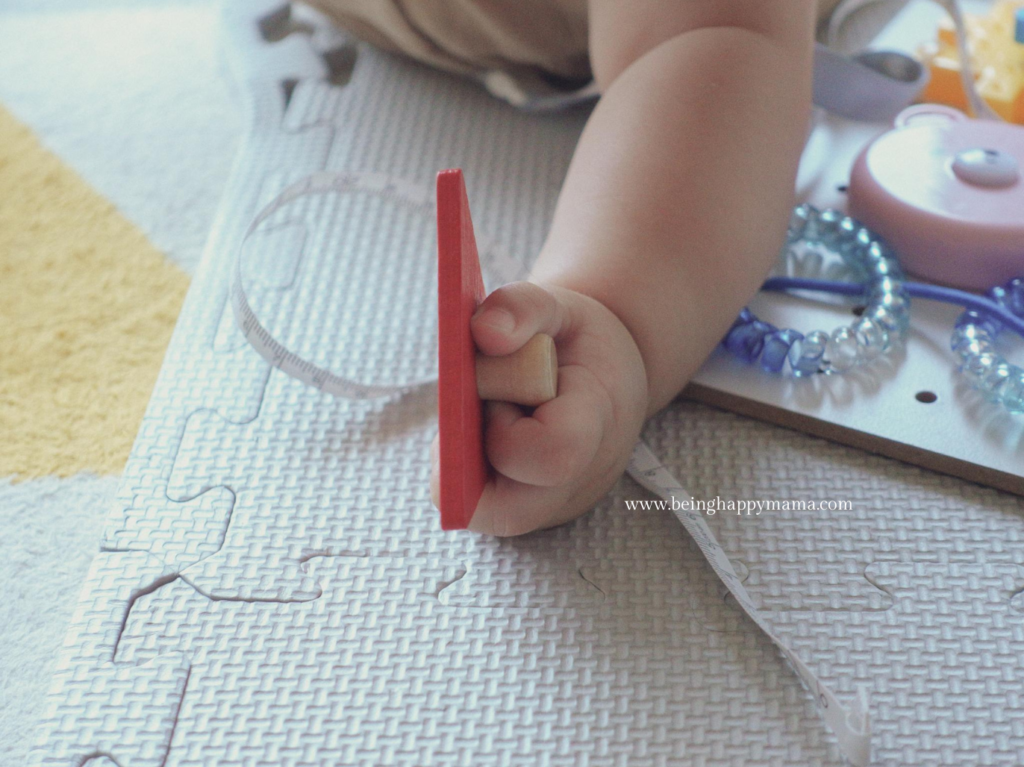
pixel 274 587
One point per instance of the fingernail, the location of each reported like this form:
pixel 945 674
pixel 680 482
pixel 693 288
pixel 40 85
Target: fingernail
pixel 499 319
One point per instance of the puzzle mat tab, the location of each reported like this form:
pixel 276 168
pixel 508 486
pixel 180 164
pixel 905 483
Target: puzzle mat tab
pixel 274 586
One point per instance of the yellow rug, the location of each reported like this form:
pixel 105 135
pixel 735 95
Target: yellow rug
pixel 87 306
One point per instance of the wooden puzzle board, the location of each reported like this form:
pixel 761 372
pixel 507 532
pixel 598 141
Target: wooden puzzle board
pixel 877 407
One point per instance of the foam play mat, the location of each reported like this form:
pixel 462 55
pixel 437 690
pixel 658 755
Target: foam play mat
pixel 275 587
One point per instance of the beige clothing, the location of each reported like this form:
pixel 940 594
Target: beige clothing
pixel 533 41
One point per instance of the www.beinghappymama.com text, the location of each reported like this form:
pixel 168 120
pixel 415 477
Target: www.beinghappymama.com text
pixel 740 507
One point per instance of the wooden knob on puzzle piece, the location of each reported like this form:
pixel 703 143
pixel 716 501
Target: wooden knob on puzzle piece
pixel 528 376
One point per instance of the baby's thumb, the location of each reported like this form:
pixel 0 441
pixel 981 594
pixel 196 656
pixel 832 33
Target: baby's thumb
pixel 512 315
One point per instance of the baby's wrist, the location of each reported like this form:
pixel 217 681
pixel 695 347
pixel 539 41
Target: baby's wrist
pixel 663 370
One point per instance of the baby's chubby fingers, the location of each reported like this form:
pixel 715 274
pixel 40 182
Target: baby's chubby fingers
pixel 513 314
pixel 558 441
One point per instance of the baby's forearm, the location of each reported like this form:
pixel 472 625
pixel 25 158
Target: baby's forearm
pixel 678 196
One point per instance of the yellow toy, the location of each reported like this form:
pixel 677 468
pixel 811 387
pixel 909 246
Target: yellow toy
pixel 996 47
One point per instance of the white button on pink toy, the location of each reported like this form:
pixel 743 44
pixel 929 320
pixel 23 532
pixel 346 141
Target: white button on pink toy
pixel 986 167
pixel 946 192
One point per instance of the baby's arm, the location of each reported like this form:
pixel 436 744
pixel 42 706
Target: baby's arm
pixel 679 193
pixel 675 204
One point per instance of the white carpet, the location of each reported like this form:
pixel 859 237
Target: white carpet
pixel 135 99
pixel 51 530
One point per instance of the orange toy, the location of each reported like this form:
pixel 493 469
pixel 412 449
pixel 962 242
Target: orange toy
pixel 997 61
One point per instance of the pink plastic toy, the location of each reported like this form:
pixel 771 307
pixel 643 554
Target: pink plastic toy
pixel 947 193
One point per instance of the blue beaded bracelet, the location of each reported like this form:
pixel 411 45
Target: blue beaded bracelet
pixel 885 320
pixel 883 324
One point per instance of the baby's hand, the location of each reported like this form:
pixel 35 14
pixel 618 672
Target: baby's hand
pixel 554 464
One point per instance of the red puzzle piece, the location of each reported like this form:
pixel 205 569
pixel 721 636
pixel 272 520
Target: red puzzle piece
pixel 460 289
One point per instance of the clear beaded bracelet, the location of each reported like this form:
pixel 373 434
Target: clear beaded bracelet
pixel 885 321
pixel 973 342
